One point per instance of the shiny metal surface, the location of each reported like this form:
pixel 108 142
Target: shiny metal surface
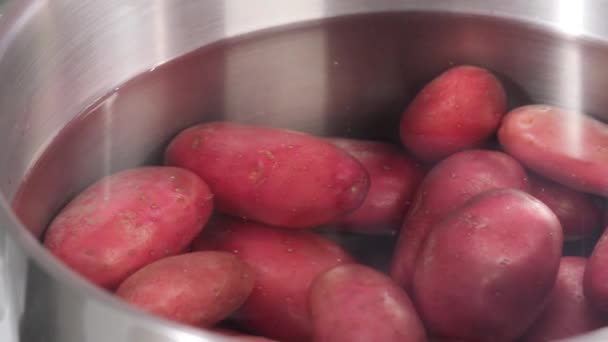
pixel 351 75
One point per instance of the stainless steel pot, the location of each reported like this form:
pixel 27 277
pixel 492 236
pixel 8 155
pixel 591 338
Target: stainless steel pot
pixel 349 74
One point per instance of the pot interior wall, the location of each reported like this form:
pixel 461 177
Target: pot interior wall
pixel 350 76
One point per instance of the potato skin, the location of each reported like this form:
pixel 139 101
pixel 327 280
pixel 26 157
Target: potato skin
pixel 394 178
pixel 446 187
pixel 128 220
pixel 351 303
pixel 285 263
pixel 487 269
pixel 198 289
pixel 579 213
pixel 459 109
pixel 275 176
pixel 568 312
pixel 567 147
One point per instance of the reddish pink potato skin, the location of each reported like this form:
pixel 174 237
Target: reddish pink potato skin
pixel 285 263
pixel 279 177
pixel 128 220
pixel 567 147
pixel 578 213
pixel 394 177
pixel 352 303
pixel 459 109
pixel 486 271
pixel 198 289
pixel 446 187
pixel 596 275
pixel 568 313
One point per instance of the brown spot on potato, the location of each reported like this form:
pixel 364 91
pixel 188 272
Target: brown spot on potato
pixel 526 120
pixel 196 143
pixel 267 153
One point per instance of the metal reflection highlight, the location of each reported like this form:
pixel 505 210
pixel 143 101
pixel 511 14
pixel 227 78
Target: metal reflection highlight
pixel 570 16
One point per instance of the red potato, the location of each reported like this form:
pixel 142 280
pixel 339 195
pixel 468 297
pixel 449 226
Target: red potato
pixel 128 220
pixel 578 213
pixel 351 303
pixel 446 187
pixel 198 289
pixel 459 109
pixel 394 177
pixel 487 269
pixel 596 274
pixel 275 176
pixel 567 147
pixel 568 312
pixel 285 263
